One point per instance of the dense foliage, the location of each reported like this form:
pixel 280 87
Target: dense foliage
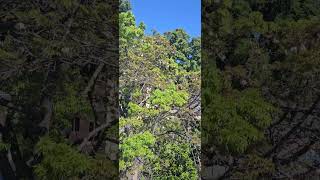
pixel 260 86
pixel 159 102
pixel 58 73
pixel 61 118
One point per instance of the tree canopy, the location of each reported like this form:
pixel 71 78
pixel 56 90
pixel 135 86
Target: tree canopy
pixel 58 74
pixel 159 81
pixel 259 89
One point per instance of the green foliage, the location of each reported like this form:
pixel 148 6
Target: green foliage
pixel 136 146
pixel 128 30
pixel 48 53
pixel 102 168
pixel 135 109
pixel 4 146
pixel 258 58
pixel 70 104
pixel 124 6
pixel 4 55
pixel 175 163
pixel 195 54
pixel 158 74
pixel 236 122
pixel 134 122
pixel 66 3
pixel 59 160
pixel 187 50
pixel 168 98
pixel 252 23
pixel 255 168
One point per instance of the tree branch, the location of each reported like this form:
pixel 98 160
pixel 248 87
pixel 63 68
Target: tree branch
pixel 93 134
pixel 292 130
pixel 92 80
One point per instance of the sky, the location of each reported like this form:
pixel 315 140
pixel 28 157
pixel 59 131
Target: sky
pixel 167 15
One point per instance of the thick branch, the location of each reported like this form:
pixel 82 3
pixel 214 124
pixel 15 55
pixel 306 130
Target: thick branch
pixel 92 80
pixel 93 134
pixel 48 106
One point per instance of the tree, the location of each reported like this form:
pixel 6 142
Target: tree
pixel 159 132
pixel 124 6
pixel 58 64
pixel 258 90
pixel 187 51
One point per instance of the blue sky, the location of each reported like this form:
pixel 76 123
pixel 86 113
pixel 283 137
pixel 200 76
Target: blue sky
pixel 166 15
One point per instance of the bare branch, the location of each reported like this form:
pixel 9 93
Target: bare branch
pixel 92 80
pixel 94 133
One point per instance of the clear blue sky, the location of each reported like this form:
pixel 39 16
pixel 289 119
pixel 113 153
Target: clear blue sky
pixel 166 15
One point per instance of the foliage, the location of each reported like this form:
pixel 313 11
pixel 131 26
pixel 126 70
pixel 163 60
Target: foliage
pixel 59 161
pixel 49 51
pixel 168 98
pixel 155 83
pixel 187 51
pixel 259 60
pixel 255 167
pixel 174 163
pixel 137 146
